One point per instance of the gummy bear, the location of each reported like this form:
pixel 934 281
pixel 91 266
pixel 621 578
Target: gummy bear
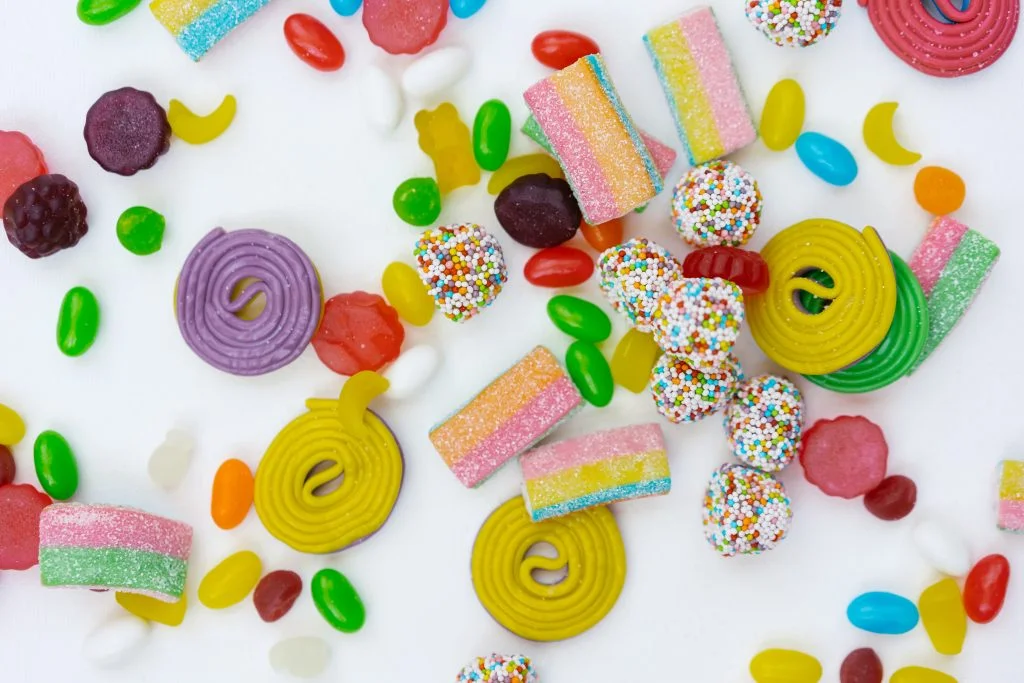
pixel 446 140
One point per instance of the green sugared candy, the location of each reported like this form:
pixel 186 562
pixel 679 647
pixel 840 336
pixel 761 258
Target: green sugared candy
pixel 55 465
pixel 417 201
pixel 100 12
pixel 337 601
pixel 78 322
pixel 590 372
pixel 140 230
pixel 492 135
pixel 579 318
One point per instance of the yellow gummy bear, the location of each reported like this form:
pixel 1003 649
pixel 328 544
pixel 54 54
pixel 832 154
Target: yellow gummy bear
pixel 446 140
pixel 198 130
pixel 920 674
pixel 407 294
pixel 785 666
pixel 634 357
pixel 230 581
pixel 517 167
pixel 943 616
pixel 151 609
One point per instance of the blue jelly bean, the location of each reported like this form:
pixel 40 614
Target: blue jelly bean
pixel 880 612
pixel 464 9
pixel 346 8
pixel 826 158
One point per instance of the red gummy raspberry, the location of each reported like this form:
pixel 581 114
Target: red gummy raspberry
pixel 359 331
pixel 844 457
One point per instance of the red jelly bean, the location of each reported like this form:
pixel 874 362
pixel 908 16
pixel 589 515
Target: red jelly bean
pixel 559 267
pixel 605 235
pixel 844 457
pixel 985 588
pixel 359 331
pixel 313 43
pixel 7 468
pixel 404 27
pixel 20 507
pixel 559 49
pixel 861 666
pixel 893 499
pixel 276 593
pixel 20 162
pixel 745 268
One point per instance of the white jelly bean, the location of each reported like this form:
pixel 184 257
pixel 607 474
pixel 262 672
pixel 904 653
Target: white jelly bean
pixel 942 547
pixel 381 98
pixel 302 657
pixel 114 641
pixel 435 71
pixel 170 460
pixel 410 372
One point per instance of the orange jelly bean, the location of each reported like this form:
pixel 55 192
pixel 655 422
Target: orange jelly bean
pixel 938 190
pixel 603 236
pixel 232 494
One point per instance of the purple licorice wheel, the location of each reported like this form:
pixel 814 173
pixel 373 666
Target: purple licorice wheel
pixel 208 314
pixel 126 131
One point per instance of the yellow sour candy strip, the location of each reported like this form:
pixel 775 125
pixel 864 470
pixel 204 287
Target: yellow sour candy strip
pixel 863 299
pixel 198 130
pixel 588 546
pixel 175 15
pixel 365 453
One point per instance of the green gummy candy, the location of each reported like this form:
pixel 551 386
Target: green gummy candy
pixel 590 372
pixel 100 12
pixel 55 465
pixel 78 322
pixel 417 201
pixel 492 135
pixel 337 601
pixel 140 230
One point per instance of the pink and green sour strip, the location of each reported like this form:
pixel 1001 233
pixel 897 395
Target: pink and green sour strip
pixel 1010 508
pixel 951 263
pixel 119 548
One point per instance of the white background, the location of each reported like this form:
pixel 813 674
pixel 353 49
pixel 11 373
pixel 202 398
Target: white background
pixel 300 160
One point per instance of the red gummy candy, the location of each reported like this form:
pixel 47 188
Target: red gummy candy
pixel 276 593
pixel 313 43
pixel 985 588
pixel 861 666
pixel 744 268
pixel 20 162
pixel 893 499
pixel 559 267
pixel 20 507
pixel 7 467
pixel 845 457
pixel 559 49
pixel 404 27
pixel 359 331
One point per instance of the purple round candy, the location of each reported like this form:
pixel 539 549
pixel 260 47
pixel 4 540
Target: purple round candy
pixel 538 211
pixel 126 130
pixel 208 315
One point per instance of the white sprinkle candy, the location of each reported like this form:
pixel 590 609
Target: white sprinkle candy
pixel 114 641
pixel 408 375
pixel 435 72
pixel 170 460
pixel 942 547
pixel 302 657
pixel 381 98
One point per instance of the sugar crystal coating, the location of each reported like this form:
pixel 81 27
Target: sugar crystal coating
pixel 699 319
pixel 462 267
pixel 794 23
pixel 765 422
pixel 684 394
pixel 746 512
pixel 634 275
pixel 717 203
pixel 498 669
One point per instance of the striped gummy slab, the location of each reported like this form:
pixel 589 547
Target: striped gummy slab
pixel 130 571
pixel 198 25
pixel 1010 508
pixel 509 415
pixel 700 84
pixel 610 169
pixel 596 469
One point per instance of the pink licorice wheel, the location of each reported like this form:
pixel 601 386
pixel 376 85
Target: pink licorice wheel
pixel 978 36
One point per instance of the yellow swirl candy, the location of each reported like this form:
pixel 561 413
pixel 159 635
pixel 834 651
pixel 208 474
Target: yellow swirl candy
pixel 863 299
pixel 588 546
pixel 354 442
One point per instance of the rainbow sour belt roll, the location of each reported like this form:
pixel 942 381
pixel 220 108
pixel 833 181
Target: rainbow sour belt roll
pixel 951 263
pixel 198 25
pixel 610 169
pixel 701 87
pixel 512 413
pixel 110 547
pixel 596 469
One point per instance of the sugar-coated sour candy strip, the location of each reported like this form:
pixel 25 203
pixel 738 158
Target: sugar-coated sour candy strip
pixel 105 546
pixel 511 414
pixel 1010 514
pixel 595 469
pixel 198 25
pixel 606 162
pixel 700 84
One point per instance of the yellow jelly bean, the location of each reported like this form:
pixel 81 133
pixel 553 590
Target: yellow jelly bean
pixel 407 294
pixel 517 167
pixel 12 427
pixel 634 357
pixel 230 581
pixel 785 666
pixel 151 609
pixel 920 674
pixel 198 130
pixel 943 615
pixel 782 118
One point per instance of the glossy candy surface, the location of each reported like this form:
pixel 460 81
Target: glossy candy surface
pixel 590 373
pixel 45 215
pixel 604 235
pixel 464 9
pixel 826 158
pixel 337 601
pixel 739 266
pixel 559 49
pixel 782 118
pixel 861 666
pixel 20 162
pixel 12 427
pixel 492 134
pixel 880 612
pixel 198 130
pixel 140 230
pixel 346 8
pixel 894 498
pixel 20 507
pixel 579 318
pixel 230 581
pixel 943 616
pixel 55 464
pixel 78 322
pixel 406 293
pixel 538 211
pixel 938 190
pixel 410 373
pixel 417 201
pixel 358 331
pixel 232 494
pixel 985 588
pixel 517 167
pixel 559 267
pixel 151 609
pixel 785 666
pixel 276 593
pixel 100 12
pixel 313 43
pixel 446 140
pixel 633 359
pixel 404 27
pixel 7 466
pixel 920 674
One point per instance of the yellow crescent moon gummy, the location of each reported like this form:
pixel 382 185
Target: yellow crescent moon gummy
pixel 862 299
pixel 355 444
pixel 589 548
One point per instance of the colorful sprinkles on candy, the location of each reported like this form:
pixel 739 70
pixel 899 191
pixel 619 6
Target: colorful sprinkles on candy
pixel 463 268
pixel 499 669
pixel 699 318
pixel 765 422
pixel 746 512
pixel 794 24
pixel 683 394
pixel 634 275
pixel 717 203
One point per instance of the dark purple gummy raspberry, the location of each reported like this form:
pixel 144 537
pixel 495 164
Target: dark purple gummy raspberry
pixel 126 131
pixel 45 215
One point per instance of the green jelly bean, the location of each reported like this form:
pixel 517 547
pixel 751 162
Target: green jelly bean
pixel 79 321
pixel 140 230
pixel 579 318
pixel 337 601
pixel 100 12
pixel 417 201
pixel 492 134
pixel 590 373
pixel 55 465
